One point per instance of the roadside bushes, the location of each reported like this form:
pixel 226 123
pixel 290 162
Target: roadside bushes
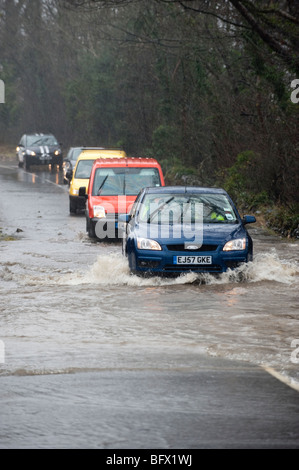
pixel 251 182
pixel 283 220
pixel 248 181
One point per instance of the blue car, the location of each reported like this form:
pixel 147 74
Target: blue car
pixel 173 230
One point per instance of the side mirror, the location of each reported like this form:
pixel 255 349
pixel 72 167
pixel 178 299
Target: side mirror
pixel 125 218
pixel 249 219
pixel 82 192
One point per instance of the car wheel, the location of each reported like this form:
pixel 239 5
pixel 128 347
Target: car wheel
pixel 73 207
pixel 91 230
pixel 124 246
pixel 27 164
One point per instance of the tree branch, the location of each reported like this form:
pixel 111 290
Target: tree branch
pixel 206 12
pixel 264 35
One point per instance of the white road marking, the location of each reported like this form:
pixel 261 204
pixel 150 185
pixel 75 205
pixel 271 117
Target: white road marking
pixel 281 378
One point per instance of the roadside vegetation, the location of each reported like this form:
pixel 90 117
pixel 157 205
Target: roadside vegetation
pixel 203 86
pixel 7 153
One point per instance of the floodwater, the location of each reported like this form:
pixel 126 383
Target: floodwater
pixel 69 305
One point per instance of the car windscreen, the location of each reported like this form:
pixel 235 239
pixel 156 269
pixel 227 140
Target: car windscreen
pixel 186 208
pixel 124 180
pixel 37 140
pixel 83 169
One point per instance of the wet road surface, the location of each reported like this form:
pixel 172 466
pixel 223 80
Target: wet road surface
pixel 94 357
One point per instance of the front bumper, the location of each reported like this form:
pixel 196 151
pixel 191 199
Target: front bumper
pixel 78 201
pixel 163 262
pixel 45 159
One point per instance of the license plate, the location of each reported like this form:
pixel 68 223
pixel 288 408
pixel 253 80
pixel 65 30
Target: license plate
pixel 192 260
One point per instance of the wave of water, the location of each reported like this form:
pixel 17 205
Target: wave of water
pixel 113 270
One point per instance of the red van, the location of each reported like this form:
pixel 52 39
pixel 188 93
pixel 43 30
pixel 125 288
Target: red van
pixel 113 187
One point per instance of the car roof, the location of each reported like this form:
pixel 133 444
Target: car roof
pixel 126 162
pixel 82 147
pixel 93 154
pixel 38 134
pixel 72 149
pixel 184 190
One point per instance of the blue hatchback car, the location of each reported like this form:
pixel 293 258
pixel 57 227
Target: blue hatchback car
pixel 173 229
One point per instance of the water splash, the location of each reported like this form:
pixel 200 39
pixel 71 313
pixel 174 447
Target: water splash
pixel 269 267
pixel 113 270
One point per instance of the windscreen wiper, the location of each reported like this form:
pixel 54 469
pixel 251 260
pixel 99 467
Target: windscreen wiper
pixel 101 187
pixel 213 207
pixel 159 209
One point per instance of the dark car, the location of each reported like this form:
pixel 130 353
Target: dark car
pixel 39 149
pixel 70 161
pixel 174 230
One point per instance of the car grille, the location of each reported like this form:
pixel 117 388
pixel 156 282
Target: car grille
pixel 181 247
pixel 148 263
pixel 233 264
pixel 195 269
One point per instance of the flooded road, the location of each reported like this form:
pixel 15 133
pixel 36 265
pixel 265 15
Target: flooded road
pixel 71 312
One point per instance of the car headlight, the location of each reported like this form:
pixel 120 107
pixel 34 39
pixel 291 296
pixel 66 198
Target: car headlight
pixel 99 212
pixel 147 244
pixel 31 153
pixel 233 245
